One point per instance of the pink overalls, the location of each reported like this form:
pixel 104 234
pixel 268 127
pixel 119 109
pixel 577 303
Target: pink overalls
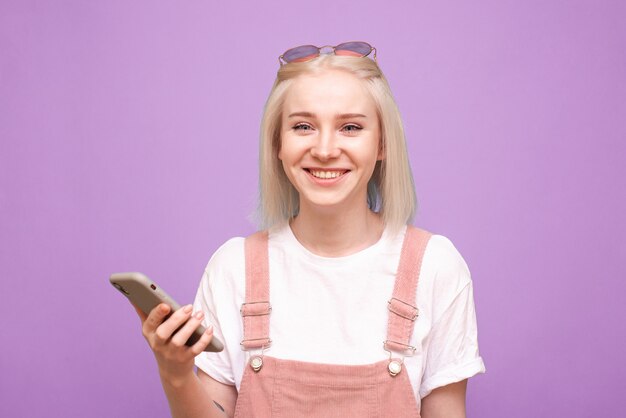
pixel 278 388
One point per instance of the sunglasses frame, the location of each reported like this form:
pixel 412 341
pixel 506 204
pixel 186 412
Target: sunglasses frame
pixel 281 59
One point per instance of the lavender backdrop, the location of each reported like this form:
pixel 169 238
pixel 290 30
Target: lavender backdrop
pixel 129 138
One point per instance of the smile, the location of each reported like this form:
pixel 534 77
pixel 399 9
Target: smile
pixel 326 174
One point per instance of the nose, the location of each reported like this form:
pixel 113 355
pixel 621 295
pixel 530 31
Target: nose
pixel 326 146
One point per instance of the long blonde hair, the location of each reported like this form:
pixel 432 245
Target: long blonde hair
pixel 390 191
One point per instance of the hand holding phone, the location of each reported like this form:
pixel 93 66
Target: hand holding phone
pixel 145 295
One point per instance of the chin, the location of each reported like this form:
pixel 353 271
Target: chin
pixel 326 202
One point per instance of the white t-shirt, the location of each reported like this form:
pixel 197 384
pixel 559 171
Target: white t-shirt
pixel 334 310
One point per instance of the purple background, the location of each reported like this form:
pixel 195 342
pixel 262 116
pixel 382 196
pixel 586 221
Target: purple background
pixel 129 142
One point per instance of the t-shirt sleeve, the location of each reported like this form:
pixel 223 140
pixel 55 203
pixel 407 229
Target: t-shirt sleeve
pixel 452 353
pixel 216 365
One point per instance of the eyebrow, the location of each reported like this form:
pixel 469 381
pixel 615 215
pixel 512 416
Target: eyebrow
pixel 342 116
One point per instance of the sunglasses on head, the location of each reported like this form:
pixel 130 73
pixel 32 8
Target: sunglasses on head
pixel 308 52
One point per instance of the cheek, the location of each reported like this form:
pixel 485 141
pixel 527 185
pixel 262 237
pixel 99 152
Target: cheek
pixel 288 149
pixel 371 152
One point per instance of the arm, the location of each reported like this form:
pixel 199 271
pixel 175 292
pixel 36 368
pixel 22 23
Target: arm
pixel 224 396
pixel 200 396
pixel 189 395
pixel 445 402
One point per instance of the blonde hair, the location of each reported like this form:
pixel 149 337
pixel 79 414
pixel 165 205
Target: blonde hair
pixel 390 191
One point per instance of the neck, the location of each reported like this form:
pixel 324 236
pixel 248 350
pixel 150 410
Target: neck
pixel 337 233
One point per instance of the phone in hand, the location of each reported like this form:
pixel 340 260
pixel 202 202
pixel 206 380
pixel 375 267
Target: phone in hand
pixel 146 295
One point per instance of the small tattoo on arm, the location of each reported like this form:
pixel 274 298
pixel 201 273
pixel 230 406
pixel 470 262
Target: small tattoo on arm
pixel 219 406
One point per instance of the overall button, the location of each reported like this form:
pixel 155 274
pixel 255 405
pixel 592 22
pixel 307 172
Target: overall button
pixel 394 367
pixel 256 363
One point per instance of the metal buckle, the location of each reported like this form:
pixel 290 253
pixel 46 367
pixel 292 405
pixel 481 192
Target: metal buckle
pixel 408 348
pixel 269 309
pixel 263 347
pixel 389 307
pixel 395 366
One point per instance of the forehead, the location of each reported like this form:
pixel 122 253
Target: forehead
pixel 327 93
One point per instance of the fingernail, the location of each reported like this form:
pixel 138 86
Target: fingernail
pixel 187 309
pixel 199 315
pixel 208 329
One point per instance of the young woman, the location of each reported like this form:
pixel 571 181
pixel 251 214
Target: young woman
pixel 338 308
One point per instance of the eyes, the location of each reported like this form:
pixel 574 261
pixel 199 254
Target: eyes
pixel 349 128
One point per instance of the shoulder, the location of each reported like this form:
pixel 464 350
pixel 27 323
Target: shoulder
pixel 444 273
pixel 444 258
pixel 230 251
pixel 226 263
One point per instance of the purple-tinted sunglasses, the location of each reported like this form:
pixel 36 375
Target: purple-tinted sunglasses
pixel 308 52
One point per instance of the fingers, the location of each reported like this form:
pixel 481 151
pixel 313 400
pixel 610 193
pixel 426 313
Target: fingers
pixel 182 335
pixel 154 319
pixel 203 342
pixel 168 336
pixel 166 330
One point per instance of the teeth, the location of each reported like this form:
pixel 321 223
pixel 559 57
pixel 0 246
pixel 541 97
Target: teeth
pixel 325 174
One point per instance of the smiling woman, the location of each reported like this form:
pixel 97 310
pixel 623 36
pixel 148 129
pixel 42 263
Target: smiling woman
pixel 337 264
pixel 329 155
pixel 390 190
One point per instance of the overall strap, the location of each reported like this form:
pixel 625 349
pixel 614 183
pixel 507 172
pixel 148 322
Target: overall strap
pixel 256 309
pixel 402 309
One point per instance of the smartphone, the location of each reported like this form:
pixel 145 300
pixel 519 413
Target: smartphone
pixel 146 295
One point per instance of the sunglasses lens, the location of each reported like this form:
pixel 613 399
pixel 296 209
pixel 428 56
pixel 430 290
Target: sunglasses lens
pixel 353 49
pixel 301 53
